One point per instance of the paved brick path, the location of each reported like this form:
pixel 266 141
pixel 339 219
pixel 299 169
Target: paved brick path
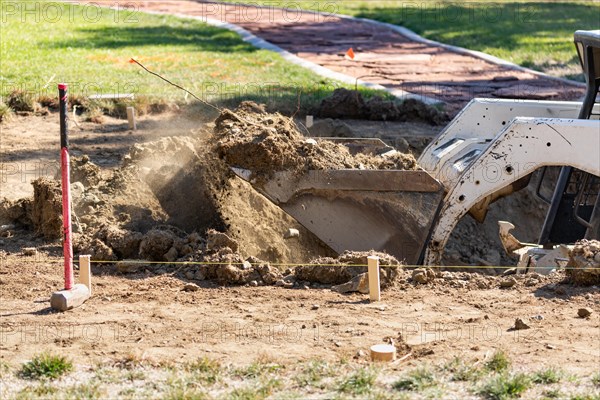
pixel 383 56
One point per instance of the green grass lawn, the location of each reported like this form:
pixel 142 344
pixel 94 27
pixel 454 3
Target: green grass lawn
pixel 59 43
pixel 534 34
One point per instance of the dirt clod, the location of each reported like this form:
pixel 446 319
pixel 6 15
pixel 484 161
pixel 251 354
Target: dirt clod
pixel 347 266
pixel 344 103
pixel 423 275
pixel 46 212
pixel 266 143
pixel 521 323
pixel 155 244
pixel 507 283
pixel 217 240
pixel 583 267
pixel 584 312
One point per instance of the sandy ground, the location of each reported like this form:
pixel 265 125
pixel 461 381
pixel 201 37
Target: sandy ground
pixel 149 314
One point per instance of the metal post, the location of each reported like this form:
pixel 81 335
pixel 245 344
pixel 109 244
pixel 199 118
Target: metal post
pixel 66 187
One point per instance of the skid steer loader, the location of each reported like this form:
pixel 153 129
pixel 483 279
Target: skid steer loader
pixel 489 150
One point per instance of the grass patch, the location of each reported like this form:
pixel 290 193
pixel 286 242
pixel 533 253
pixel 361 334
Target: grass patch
pixel 4 368
pixel 547 376
pixel 416 380
pixel 5 111
pixel 258 369
pixel 41 391
pixel 552 394
pixel 47 366
pixel 505 386
pixel 596 379
pixel 499 362
pixel 359 382
pixel 84 391
pixel 205 370
pixel 20 100
pixel 184 393
pixel 313 373
pixel 461 371
pixel 259 392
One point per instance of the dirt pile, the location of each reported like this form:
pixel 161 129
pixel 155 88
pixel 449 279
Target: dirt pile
pixel 264 143
pixel 344 103
pixel 159 206
pixel 347 266
pixel 42 213
pixel 583 267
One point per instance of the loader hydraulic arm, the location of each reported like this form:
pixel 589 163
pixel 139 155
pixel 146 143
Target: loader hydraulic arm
pixel 525 145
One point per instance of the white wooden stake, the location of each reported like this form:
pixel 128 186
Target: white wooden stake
pixel 374 286
pixel 131 118
pixel 310 121
pixel 85 272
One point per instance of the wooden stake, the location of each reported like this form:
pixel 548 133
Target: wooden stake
pixel 85 272
pixel 309 121
pixel 374 286
pixel 131 118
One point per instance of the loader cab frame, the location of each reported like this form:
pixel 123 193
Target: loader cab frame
pixel 574 211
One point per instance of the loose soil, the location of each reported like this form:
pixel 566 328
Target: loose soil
pixel 158 206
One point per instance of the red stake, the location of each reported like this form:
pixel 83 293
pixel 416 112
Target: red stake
pixel 66 187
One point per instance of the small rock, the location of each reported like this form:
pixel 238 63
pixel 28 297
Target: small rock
pixel 359 283
pixel 538 317
pixel 560 290
pixel 253 283
pixel 199 276
pixel 550 347
pixel 216 240
pixel 246 265
pixel 360 354
pixel 521 323
pixel 423 275
pixel 291 233
pixel 481 284
pixel 129 267
pixel 29 251
pixel 171 255
pixel 191 287
pixel 306 287
pixel 337 344
pixel 189 275
pixel 506 283
pixel 314 307
pixel 509 271
pixel 288 285
pixel 447 275
pixel 584 312
pixel 280 283
pixel 531 282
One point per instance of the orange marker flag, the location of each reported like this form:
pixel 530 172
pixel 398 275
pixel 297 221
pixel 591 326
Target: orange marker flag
pixel 350 53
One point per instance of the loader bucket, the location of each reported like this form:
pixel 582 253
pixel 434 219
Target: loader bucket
pixel 384 210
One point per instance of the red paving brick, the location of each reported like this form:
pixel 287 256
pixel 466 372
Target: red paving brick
pixel 383 55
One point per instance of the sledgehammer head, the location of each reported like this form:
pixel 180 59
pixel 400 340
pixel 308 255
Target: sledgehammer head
pixel 64 300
